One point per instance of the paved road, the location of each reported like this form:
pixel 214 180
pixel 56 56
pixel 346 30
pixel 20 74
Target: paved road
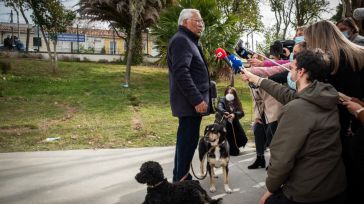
pixel 107 176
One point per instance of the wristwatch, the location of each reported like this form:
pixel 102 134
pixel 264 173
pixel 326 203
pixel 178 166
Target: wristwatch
pixel 358 111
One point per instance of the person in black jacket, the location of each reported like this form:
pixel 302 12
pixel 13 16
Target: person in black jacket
pixel 189 85
pixel 229 112
pixel 347 76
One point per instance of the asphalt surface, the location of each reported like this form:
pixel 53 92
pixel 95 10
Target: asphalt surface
pixel 106 176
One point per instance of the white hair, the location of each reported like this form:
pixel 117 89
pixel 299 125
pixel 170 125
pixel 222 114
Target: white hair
pixel 185 14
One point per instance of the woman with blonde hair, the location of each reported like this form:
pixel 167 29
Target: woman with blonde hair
pixel 347 76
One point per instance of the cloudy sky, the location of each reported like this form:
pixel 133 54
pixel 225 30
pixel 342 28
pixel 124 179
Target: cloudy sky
pixel 267 14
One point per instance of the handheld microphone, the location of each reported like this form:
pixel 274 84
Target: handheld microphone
pixel 221 55
pixel 235 63
pixel 240 47
pixel 358 13
pixel 241 51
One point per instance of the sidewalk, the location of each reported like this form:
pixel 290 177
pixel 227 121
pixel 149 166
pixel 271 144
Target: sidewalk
pixel 106 176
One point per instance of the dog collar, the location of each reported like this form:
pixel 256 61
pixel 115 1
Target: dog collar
pixel 156 185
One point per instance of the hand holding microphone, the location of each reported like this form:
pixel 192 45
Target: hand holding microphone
pixel 252 78
pixel 256 63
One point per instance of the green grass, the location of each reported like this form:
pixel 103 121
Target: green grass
pixel 85 106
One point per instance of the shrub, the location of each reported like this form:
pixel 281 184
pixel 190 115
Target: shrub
pixel 65 58
pixel 103 61
pixel 85 59
pixel 40 56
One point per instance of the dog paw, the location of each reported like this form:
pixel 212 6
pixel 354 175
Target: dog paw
pixel 212 189
pixel 227 189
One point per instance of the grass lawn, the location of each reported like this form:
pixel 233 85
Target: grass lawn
pixel 85 106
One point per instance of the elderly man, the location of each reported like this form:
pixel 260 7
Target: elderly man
pixel 189 84
pixel 305 164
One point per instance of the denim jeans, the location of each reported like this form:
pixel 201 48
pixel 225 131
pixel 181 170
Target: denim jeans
pixel 188 134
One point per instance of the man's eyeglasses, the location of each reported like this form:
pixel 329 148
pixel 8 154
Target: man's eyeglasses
pixel 197 20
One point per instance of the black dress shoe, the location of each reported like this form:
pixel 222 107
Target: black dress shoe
pixel 258 163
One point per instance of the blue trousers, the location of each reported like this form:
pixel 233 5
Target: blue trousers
pixel 188 134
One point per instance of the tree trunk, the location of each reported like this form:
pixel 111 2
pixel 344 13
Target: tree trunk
pixel 347 8
pixel 27 41
pixel 28 29
pixel 137 46
pixel 47 44
pixel 134 21
pixel 232 83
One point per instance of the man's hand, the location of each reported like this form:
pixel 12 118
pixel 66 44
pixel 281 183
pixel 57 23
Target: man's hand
pixel 352 107
pixel 231 116
pixel 201 107
pixel 248 76
pixel 258 121
pixel 255 63
pixel 264 198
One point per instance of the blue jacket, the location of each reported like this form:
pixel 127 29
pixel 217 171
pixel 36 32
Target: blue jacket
pixel 189 80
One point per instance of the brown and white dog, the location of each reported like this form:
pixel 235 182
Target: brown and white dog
pixel 216 148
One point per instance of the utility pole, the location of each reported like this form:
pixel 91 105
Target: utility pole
pixel 12 29
pixel 114 43
pixel 17 19
pixel 247 41
pixel 252 41
pixel 78 41
pixel 38 30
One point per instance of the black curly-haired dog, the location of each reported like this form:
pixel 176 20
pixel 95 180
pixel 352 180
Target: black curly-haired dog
pixel 162 192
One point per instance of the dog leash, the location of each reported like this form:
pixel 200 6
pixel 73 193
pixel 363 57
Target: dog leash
pixel 193 172
pixel 236 144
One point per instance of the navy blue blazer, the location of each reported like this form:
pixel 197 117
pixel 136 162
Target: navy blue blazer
pixel 189 79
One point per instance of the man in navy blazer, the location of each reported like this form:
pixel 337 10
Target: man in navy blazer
pixel 189 84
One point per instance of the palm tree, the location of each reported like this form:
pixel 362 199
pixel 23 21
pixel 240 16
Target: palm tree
pixel 224 24
pixel 130 16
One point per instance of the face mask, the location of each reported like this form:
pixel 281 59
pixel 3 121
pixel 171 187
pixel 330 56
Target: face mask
pixel 229 97
pixel 290 82
pixel 346 34
pixel 299 39
pixel 291 56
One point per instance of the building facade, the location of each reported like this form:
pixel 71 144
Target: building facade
pixel 89 40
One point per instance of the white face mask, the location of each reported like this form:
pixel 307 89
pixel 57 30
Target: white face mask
pixel 290 82
pixel 229 97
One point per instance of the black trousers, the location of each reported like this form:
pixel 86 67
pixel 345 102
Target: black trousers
pixel 263 134
pixel 280 198
pixel 188 134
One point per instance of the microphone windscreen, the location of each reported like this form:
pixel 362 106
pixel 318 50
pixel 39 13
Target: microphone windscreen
pixel 220 53
pixel 358 13
pixel 236 63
